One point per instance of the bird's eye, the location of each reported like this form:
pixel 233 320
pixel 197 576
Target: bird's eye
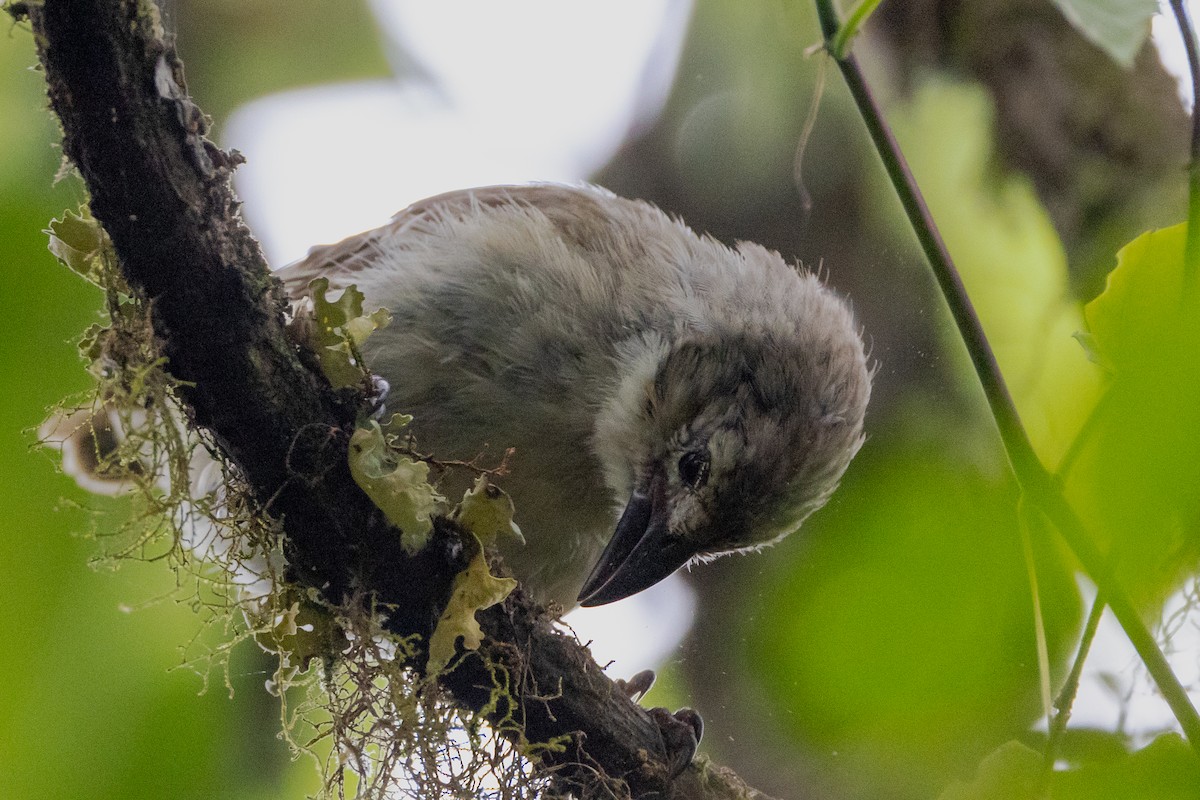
pixel 693 468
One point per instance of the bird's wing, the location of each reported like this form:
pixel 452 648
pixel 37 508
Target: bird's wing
pixel 574 210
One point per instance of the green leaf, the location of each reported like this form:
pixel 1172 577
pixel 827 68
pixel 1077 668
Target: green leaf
pixel 897 631
pixel 1118 27
pixel 1010 257
pixel 1135 478
pixel 1165 769
pixel 1137 318
pixel 397 484
pixel 1011 771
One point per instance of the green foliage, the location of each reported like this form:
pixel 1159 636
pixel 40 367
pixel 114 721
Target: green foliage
pixel 1119 27
pixel 1010 259
pixel 901 635
pixel 906 650
pixel 1165 769
pixel 1140 322
pixel 1013 771
pixel 1138 465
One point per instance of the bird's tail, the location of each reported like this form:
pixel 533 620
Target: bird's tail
pixel 112 450
pixel 92 441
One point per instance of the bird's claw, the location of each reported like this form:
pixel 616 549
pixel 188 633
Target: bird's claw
pixel 377 398
pixel 636 687
pixel 681 731
pixel 681 734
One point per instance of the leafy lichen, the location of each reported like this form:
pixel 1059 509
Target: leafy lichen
pixel 487 513
pixel 396 483
pixel 339 330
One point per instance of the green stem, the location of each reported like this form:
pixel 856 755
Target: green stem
pixel 1039 619
pixel 849 29
pixel 1191 262
pixel 1030 473
pixel 1066 697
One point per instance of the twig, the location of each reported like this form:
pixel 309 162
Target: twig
pixel 1066 697
pixel 849 29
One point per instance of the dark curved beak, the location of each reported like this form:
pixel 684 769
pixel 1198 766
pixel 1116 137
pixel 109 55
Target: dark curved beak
pixel 642 551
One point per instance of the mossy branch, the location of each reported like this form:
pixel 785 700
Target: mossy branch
pixel 162 191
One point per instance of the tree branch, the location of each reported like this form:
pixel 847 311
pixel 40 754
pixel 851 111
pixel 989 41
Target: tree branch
pixel 163 193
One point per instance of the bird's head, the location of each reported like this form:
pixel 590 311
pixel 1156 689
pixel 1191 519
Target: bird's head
pixel 725 441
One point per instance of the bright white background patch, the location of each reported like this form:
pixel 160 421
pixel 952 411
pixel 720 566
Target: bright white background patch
pixel 531 90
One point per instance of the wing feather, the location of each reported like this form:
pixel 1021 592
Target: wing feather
pixel 577 211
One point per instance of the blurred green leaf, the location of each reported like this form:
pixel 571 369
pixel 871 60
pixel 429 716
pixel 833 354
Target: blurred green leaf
pixel 1010 258
pixel 1166 769
pixel 903 637
pixel 1136 476
pixel 1012 772
pixel 1118 27
pixel 1138 317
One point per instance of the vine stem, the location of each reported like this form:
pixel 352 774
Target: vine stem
pixel 858 15
pixel 1035 481
pixel 1066 697
pixel 1191 253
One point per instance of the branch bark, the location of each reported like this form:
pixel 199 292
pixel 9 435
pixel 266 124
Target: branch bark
pixel 163 193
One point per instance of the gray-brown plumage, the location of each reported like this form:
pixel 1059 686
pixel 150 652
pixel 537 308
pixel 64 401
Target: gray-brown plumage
pixel 695 398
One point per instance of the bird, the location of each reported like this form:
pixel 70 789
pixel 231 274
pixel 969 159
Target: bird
pixel 667 399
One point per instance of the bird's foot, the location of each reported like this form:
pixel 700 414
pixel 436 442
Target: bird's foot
pixel 681 731
pixel 681 734
pixel 636 687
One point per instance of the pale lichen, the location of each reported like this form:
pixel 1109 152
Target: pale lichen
pixel 349 694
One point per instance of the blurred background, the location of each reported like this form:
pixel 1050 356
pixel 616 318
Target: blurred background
pixel 886 650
